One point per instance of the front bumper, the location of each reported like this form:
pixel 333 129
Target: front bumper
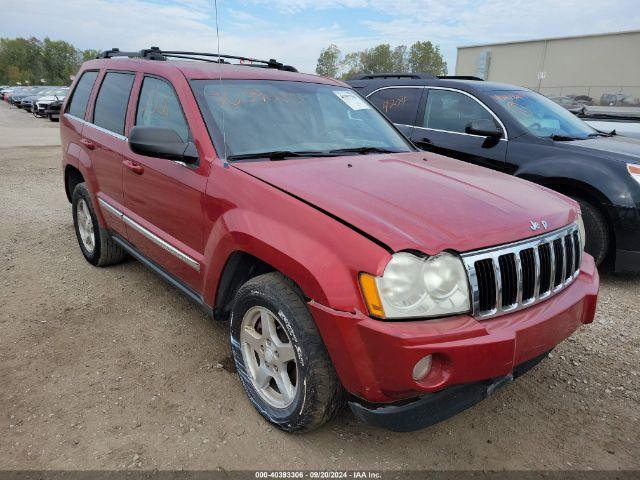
pixel 375 359
pixel 435 407
pixel 626 227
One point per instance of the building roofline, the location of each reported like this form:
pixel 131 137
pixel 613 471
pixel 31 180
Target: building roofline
pixel 512 42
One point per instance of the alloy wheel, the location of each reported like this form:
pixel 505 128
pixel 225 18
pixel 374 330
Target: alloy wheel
pixel 269 357
pixel 85 226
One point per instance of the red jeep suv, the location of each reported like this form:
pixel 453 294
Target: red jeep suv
pixel 352 267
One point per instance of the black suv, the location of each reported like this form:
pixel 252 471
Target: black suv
pixel 523 133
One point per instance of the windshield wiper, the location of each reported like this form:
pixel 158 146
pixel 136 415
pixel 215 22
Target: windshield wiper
pixel 563 138
pixel 276 155
pixel 362 150
pixel 602 134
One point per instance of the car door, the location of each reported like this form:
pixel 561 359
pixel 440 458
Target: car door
pixel 164 198
pixel 104 138
pixel 442 123
pixel 399 104
pixel 72 122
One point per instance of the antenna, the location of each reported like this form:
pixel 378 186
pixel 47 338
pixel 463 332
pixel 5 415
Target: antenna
pixel 224 133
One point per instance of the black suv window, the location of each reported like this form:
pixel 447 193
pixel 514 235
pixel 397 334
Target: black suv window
pixel 111 104
pixel 452 111
pixel 400 105
pixel 159 106
pixel 78 104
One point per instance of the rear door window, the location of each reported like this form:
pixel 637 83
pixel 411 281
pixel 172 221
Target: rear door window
pixel 111 105
pixel 78 104
pixel 400 105
pixel 159 106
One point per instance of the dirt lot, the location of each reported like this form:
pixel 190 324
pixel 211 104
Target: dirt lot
pixel 111 368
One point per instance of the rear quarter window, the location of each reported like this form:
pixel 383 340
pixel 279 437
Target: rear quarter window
pixel 80 97
pixel 400 105
pixel 111 104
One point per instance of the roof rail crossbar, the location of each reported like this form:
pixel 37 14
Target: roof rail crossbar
pixel 271 63
pixel 188 57
pixel 155 53
pixel 371 76
pixel 460 77
pixel 116 52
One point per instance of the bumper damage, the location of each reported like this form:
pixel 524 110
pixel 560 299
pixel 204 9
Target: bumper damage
pixel 435 407
pixel 470 358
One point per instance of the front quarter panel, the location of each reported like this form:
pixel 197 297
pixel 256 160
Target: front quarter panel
pixel 320 254
pixel 544 163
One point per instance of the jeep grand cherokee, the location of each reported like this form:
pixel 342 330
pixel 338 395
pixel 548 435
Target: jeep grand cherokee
pixel 351 266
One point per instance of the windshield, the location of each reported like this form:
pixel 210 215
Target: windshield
pixel 541 116
pixel 284 116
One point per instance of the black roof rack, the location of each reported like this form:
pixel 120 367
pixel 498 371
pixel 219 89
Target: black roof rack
pixel 154 53
pixel 460 77
pixel 371 76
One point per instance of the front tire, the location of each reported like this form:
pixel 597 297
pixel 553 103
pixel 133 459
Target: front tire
pixel 96 244
pixel 282 362
pixel 596 231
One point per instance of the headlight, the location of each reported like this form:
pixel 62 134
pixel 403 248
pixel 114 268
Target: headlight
pixel 413 286
pixel 634 171
pixel 581 232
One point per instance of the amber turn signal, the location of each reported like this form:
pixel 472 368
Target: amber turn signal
pixel 371 296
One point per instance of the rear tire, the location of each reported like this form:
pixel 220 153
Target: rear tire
pixel 310 394
pixel 596 229
pixel 96 244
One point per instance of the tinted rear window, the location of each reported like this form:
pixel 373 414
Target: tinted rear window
pixel 80 98
pixel 111 104
pixel 400 105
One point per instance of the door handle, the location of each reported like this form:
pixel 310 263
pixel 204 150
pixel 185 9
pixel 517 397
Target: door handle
pixel 134 167
pixel 88 143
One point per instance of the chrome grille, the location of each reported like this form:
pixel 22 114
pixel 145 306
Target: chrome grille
pixel 511 277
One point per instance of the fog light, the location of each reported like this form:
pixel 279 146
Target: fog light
pixel 422 368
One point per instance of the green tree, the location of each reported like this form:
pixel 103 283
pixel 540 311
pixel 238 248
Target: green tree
pixel 89 54
pixel 377 59
pixel 59 61
pixel 426 57
pixel 399 58
pixel 329 62
pixel 420 57
pixel 351 65
pixel 24 56
pixel 31 61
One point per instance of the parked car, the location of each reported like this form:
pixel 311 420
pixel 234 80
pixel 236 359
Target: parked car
pixel 27 103
pixel 520 132
pixel 349 264
pixel 43 102
pixel 619 100
pixel 624 121
pixel 571 104
pixel 17 94
pixel 52 111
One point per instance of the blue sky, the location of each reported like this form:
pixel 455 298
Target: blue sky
pixel 294 31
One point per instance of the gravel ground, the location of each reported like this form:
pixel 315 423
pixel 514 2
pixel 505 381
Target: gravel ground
pixel 112 369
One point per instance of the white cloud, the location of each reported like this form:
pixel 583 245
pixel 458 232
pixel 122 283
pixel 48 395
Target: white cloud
pixel 189 24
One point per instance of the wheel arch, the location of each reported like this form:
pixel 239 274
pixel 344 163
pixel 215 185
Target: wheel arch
pixel 239 268
pixel 72 177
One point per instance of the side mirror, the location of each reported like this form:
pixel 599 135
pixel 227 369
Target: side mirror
pixel 161 142
pixel 483 128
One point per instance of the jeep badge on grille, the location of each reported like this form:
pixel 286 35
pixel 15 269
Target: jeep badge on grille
pixel 536 225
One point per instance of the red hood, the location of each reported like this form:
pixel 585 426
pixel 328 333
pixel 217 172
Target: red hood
pixel 420 201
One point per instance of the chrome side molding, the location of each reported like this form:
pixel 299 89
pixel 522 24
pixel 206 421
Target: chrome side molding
pixel 179 254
